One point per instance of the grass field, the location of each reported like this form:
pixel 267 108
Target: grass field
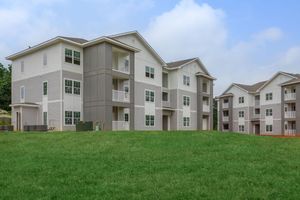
pixel 148 165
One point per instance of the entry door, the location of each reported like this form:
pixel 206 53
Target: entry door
pixel 257 129
pixel 165 122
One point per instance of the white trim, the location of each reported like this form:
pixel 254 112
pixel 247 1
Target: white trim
pixel 145 95
pixel 22 100
pixel 149 121
pixel 46 81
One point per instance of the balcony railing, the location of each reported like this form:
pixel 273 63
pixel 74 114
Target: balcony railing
pixel 124 69
pixel 256 116
pixel 225 105
pixel 206 108
pixel 290 132
pixel 290 96
pixel 120 125
pixel 257 103
pixel 225 119
pixel 290 114
pixel 120 96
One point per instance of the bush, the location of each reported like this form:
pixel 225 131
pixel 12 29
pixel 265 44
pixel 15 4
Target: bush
pixel 84 126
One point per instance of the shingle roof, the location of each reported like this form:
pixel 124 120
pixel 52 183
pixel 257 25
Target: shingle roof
pixel 78 40
pixel 292 81
pixel 251 88
pixel 179 63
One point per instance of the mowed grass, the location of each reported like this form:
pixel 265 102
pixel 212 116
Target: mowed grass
pixel 148 165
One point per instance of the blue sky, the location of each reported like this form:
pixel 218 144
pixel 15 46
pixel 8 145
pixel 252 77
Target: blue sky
pixel 238 41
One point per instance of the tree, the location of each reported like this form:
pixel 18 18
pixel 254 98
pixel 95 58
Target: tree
pixel 215 114
pixel 5 87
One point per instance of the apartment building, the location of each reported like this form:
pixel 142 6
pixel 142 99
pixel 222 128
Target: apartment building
pixel 270 107
pixel 116 81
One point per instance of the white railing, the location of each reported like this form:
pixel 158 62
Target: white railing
pixel 225 105
pixel 225 119
pixel 120 125
pixel 290 132
pixel 124 69
pixel 256 116
pixel 206 108
pixel 290 114
pixel 120 96
pixel 290 96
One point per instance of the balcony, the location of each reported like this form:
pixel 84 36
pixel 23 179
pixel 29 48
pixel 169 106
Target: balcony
pixel 123 69
pixel 120 125
pixel 290 132
pixel 120 96
pixel 290 96
pixel 257 103
pixel 206 108
pixel 290 114
pixel 225 118
pixel 225 105
pixel 256 116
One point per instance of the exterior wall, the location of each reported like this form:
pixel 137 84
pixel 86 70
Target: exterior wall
pixel 33 63
pixel 152 108
pixel 274 120
pixel 241 121
pixel 298 109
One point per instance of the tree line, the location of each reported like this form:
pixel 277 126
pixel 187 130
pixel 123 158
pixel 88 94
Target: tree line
pixel 5 87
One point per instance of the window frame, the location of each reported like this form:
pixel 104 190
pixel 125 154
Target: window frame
pixel 269 112
pixel 241 100
pixel 76 119
pixel 22 94
pixel 241 128
pixel 45 82
pixel 69 118
pixel 148 97
pixel 186 80
pixel 241 114
pixel 186 100
pixel 68 55
pixel 77 89
pixel 186 121
pixel 269 96
pixel 149 72
pixel 150 120
pixel 70 87
pixel 269 128
pixel 77 58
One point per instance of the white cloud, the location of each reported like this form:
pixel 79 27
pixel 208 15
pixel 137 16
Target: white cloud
pixel 191 29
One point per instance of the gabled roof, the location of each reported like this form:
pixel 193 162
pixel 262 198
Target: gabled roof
pixel 291 82
pixel 77 40
pixel 148 46
pixel 277 74
pixel 181 63
pixel 74 41
pixel 251 88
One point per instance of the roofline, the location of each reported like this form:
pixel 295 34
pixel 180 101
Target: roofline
pixel 24 104
pixel 180 66
pixel 274 76
pixel 224 95
pixel 144 41
pixel 291 83
pixel 234 84
pixel 60 39
pixel 206 76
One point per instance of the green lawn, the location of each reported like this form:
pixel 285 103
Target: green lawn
pixel 148 165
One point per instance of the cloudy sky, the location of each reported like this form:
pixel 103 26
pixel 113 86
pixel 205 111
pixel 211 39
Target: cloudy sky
pixel 238 41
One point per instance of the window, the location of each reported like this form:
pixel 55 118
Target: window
pixel 186 80
pixel 22 93
pixel 204 87
pixel 76 85
pixel 186 121
pixel 269 96
pixel 269 128
pixel 257 111
pixel 241 128
pixel 149 96
pixel 149 72
pixel 45 118
pixel 225 101
pixel 225 126
pixel 76 57
pixel 241 114
pixel 225 113
pixel 22 66
pixel 45 88
pixel 68 86
pixel 149 120
pixel 68 55
pixel 45 59
pixel 164 96
pixel 126 117
pixel 68 117
pixel 126 89
pixel 76 117
pixel 241 100
pixel 186 101
pixel 269 112
pixel 126 65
